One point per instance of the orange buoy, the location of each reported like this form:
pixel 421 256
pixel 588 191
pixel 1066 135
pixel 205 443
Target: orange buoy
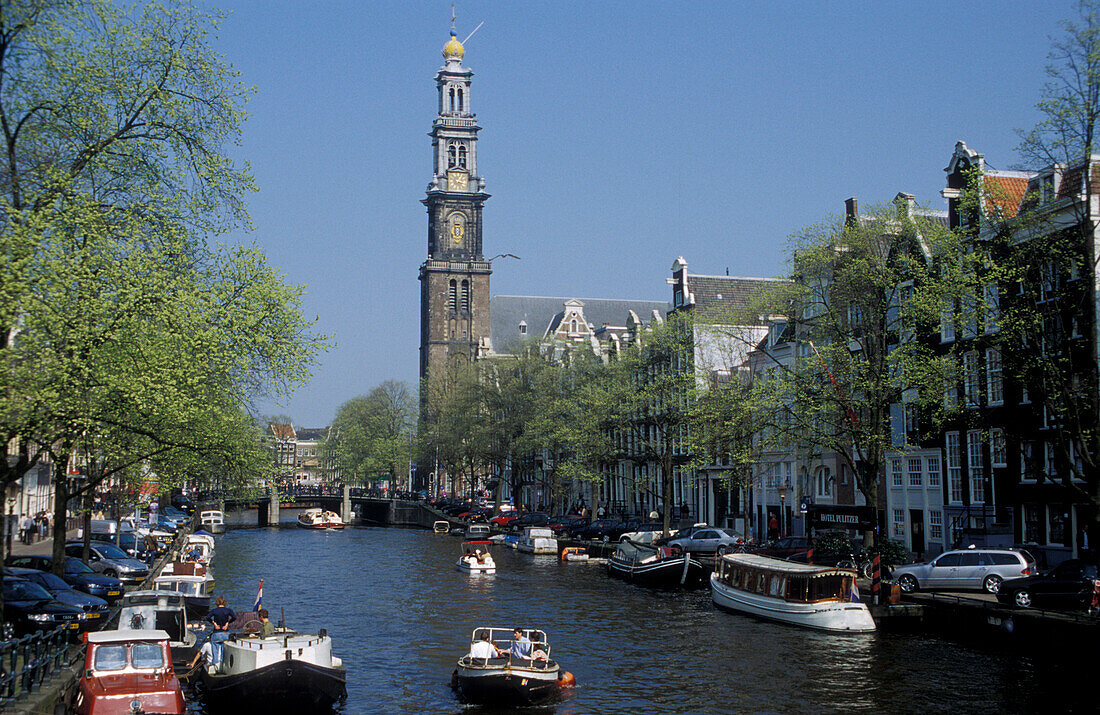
pixel 566 679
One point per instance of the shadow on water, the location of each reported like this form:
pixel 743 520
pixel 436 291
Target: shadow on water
pixel 400 615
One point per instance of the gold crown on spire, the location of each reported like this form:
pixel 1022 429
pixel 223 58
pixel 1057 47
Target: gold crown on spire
pixel 453 50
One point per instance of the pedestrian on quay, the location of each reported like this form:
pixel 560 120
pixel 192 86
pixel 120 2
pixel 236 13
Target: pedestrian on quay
pixel 221 617
pixel 600 511
pixel 773 527
pixel 23 521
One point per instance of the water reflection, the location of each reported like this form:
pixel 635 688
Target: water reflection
pixel 401 614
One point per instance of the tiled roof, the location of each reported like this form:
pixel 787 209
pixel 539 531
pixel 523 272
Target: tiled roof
pixel 728 295
pixel 282 431
pixel 1005 191
pixel 539 313
pixel 312 434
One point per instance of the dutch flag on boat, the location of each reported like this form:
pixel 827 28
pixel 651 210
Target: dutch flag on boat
pixel 259 597
pixel 854 598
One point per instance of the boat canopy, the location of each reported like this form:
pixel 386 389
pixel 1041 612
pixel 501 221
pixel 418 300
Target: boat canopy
pixel 502 637
pixel 787 567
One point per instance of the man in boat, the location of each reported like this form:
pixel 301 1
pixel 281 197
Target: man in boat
pixel 221 617
pixel 268 628
pixel 521 645
pixel 484 648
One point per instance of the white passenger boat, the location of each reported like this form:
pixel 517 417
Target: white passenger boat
pixel 821 597
pixel 320 519
pixel 478 531
pixel 441 527
pixel 476 557
pixel 538 540
pixel 202 545
pixel 491 674
pixel 287 672
pixel 213 521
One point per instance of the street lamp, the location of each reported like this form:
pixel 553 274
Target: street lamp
pixel 782 489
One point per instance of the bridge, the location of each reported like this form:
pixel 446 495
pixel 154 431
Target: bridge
pixel 283 505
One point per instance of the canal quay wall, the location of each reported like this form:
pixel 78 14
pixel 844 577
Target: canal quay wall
pixel 51 696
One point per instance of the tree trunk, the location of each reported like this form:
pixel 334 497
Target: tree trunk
pixel 60 512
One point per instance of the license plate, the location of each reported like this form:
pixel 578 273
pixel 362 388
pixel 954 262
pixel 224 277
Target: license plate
pixel 114 593
pixel 91 615
pixel 74 626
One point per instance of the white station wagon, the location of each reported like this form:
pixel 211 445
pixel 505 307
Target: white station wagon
pixel 971 569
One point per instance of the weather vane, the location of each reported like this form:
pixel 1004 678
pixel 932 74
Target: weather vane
pixel 452 16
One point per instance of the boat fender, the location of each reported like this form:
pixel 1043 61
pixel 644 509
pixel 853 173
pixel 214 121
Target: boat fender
pixel 566 679
pixel 336 662
pixel 454 680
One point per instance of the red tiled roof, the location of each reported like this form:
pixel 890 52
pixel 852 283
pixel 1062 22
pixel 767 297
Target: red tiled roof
pixel 1004 193
pixel 282 431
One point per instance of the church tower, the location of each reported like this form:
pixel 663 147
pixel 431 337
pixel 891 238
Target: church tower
pixel 454 280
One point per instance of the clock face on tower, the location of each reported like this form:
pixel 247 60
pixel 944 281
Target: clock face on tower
pixel 457 180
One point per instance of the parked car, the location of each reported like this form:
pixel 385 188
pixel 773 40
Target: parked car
pixel 985 569
pixel 784 547
pixel 29 608
pixel 62 591
pixel 77 574
pixel 1068 585
pixel 128 541
pixel 177 515
pixel 647 532
pixel 566 525
pixel 708 541
pixel 184 504
pixel 504 519
pixel 110 560
pixel 535 518
pixel 607 529
pixel 128 671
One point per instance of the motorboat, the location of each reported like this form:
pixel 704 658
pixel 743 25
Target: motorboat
pixel 320 519
pixel 659 566
pixel 821 597
pixel 160 611
pixel 191 568
pixel 128 671
pixel 213 521
pixel 441 527
pixel 476 557
pixel 580 555
pixel 202 545
pixel 491 674
pixel 538 540
pixel 196 597
pixel 478 531
pixel 286 672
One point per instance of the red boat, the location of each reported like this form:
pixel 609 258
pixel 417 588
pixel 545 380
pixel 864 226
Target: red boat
pixel 128 671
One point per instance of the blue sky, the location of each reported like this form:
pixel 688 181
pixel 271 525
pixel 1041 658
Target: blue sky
pixel 616 136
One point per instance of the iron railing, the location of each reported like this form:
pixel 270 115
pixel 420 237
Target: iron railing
pixel 26 663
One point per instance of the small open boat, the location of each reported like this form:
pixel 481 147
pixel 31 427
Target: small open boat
pixel 491 674
pixel 658 566
pixel 821 597
pixel 476 557
pixel 441 527
pixel 320 519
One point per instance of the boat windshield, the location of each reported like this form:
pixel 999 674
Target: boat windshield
pixel 147 655
pixel 187 588
pixel 110 657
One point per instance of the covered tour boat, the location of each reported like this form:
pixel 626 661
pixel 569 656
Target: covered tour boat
pixel 212 521
pixel 821 597
pixel 320 519
pixel 538 540
pixel 287 672
pixel 491 674
pixel 657 566
pixel 476 557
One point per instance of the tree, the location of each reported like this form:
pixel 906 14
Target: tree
pixel 863 290
pixel 372 434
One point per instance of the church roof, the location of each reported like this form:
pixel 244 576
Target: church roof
pixel 541 313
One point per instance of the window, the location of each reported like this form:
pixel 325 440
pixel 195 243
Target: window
pixel 461 156
pixel 947 321
pixel 933 467
pixel 899 522
pixel 1033 526
pixel 823 482
pixel 971 382
pixel 915 471
pixel 452 156
pixel 147 655
pixel 466 296
pixel 1057 524
pixel 1049 276
pixel 523 327
pixel 994 383
pixel 460 102
pixel 1025 396
pixel 935 524
pixel 992 296
pixel 970 316
pixel 1046 189
pixel 997 452
pixel 1051 459
pixel 895 472
pixel 954 468
pixel 452 296
pixel 976 465
pixel 110 657
pixel 1027 460
pixel 912 418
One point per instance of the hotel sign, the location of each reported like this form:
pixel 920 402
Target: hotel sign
pixel 840 517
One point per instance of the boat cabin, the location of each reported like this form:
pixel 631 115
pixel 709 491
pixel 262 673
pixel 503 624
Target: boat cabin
pixel 441 527
pixel 790 581
pixel 213 521
pixel 128 671
pixel 478 531
pixel 154 611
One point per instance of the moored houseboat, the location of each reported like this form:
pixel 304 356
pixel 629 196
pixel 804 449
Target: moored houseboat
pixel 821 597
pixel 657 566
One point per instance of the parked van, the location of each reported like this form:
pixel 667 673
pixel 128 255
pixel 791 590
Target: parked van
pixel 972 569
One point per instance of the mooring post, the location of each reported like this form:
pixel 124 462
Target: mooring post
pixel 345 505
pixel 272 506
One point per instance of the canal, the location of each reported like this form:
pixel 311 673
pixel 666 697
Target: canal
pixel 400 615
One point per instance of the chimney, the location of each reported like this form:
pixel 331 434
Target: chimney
pixel 851 210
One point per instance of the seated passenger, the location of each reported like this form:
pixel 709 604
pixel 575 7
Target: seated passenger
pixel 483 648
pixel 268 628
pixel 521 645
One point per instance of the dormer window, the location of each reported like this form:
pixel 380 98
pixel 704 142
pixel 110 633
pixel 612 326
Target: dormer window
pixel 1046 188
pixel 523 327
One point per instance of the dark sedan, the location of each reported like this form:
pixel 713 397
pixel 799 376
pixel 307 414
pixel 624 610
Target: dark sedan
pixel 77 574
pixel 95 607
pixel 29 608
pixel 566 525
pixel 1068 585
pixel 606 530
pixel 536 518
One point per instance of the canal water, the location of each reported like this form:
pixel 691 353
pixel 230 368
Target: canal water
pixel 400 615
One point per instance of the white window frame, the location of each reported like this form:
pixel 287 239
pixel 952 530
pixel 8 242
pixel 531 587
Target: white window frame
pixel 971 378
pixel 994 378
pixel 953 450
pixel 976 465
pixel 932 467
pixel 915 475
pixel 899 522
pixel 998 449
pixel 935 525
pixel 897 476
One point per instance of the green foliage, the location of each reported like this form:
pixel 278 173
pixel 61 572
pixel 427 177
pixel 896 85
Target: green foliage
pixel 892 553
pixel 373 434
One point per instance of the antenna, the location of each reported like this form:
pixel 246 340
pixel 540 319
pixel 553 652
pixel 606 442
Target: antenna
pixel 472 33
